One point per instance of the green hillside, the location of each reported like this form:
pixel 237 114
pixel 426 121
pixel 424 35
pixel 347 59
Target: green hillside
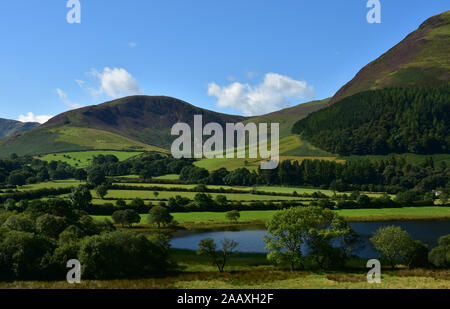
pixel 421 59
pixel 136 123
pixel 288 116
pixel 393 120
pixel 63 139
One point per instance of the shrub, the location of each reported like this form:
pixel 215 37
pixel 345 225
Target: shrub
pixel 122 254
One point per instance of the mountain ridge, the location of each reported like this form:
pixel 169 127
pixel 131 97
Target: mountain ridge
pixel 10 127
pixel 420 59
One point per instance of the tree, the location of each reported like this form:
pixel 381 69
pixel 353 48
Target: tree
pixel 208 247
pixel 126 217
pixel 19 223
pixel 222 200
pixel 313 226
pixel 137 204
pixel 156 193
pixel 120 203
pixel 417 255
pixel 233 215
pixel 81 174
pixel 50 226
pixel 159 215
pixel 122 254
pixel 81 198
pixel 440 255
pixel 96 176
pixel 393 243
pixel 101 191
pixel 16 178
pixel 22 254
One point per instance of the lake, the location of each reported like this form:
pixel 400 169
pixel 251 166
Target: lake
pixel 251 240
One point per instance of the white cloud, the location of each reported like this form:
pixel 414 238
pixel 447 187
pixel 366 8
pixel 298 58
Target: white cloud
pixel 274 93
pixel 115 83
pixel 30 117
pixel 63 96
pixel 80 82
pixel 132 44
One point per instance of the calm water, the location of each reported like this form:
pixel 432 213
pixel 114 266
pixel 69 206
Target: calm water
pixel 251 240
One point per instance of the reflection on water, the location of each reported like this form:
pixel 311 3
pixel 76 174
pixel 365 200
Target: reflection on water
pixel 251 240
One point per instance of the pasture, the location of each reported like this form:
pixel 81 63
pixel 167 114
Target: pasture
pixel 83 158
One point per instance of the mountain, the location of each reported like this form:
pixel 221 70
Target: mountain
pixel 11 127
pixel 396 104
pixel 421 59
pixel 141 123
pixel 130 123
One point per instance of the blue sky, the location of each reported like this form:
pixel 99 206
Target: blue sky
pixel 233 56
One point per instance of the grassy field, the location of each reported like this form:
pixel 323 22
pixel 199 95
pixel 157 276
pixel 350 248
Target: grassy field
pixel 253 271
pixel 53 184
pixel 406 213
pixel 292 147
pixel 168 177
pixel 83 158
pixel 130 194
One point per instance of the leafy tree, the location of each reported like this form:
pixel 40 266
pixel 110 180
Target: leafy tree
pixel 19 223
pixel 394 243
pixel 101 191
pixel 137 204
pixel 233 215
pixel 22 254
pixel 156 193
pixel 222 200
pixel 220 257
pixel 417 256
pixel 50 226
pixel 121 203
pixel 440 255
pixel 81 174
pixel 96 176
pixel 17 178
pixel 122 254
pixel 313 226
pixel 126 217
pixel 81 198
pixel 159 215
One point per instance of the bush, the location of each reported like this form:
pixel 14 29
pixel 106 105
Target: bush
pixel 19 223
pixel 122 254
pixel 22 254
pixel 440 255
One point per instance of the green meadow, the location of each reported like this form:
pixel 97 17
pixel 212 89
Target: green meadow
pixel 83 158
pixel 405 213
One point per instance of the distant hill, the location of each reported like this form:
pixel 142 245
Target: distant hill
pixel 421 59
pixel 130 123
pixel 11 127
pixel 288 116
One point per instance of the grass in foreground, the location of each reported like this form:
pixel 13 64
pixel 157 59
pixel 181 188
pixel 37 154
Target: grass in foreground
pixel 252 271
